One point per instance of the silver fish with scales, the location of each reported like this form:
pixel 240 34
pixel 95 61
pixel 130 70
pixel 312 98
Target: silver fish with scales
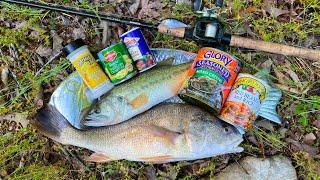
pixel 166 133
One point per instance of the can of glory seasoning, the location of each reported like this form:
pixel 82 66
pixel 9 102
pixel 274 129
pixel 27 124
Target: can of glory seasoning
pixel 210 79
pixel 138 49
pixel 117 63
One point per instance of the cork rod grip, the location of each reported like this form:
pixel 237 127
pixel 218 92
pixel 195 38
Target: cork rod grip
pixel 237 41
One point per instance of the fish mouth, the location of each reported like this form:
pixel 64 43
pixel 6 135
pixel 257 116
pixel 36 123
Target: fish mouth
pixel 88 121
pixel 235 144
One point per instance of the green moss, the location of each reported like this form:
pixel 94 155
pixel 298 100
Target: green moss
pixel 181 11
pixel 307 167
pixel 166 41
pixel 20 157
pixel 29 88
pixel 272 139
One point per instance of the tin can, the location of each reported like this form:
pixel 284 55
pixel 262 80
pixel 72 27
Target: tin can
pixel 88 68
pixel 117 63
pixel 210 79
pixel 138 49
pixel 244 101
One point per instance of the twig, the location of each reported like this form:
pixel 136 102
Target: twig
pixel 55 56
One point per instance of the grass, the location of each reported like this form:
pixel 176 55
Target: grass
pixel 19 159
pixel 307 167
pixel 41 159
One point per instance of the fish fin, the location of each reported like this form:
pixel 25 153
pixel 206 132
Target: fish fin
pixel 157 159
pixel 268 107
pixel 98 157
pixel 50 122
pixel 139 101
pixel 179 79
pixel 167 135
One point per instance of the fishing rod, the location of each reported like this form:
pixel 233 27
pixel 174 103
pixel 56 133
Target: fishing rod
pixel 207 31
pixel 82 12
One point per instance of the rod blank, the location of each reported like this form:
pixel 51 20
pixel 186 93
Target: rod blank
pixel 82 12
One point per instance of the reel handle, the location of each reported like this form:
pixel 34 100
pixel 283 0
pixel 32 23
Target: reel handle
pixel 237 41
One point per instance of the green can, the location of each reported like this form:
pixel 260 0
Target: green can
pixel 117 63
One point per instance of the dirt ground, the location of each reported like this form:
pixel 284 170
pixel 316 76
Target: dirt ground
pixel 29 38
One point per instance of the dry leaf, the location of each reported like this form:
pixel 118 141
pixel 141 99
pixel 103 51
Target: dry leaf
pixel 56 43
pixel 292 74
pixel 265 124
pixel 44 51
pixel 78 33
pixel 134 7
pixel 281 77
pixel 275 12
pixel 16 117
pixel 5 75
pixel 187 2
pixel 289 89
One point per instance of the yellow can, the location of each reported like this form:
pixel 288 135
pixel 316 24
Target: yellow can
pixel 88 68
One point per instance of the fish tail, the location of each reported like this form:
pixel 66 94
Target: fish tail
pixel 50 122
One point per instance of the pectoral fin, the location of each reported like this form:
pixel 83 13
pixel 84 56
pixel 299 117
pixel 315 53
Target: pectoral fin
pixel 139 101
pixel 98 157
pixel 167 136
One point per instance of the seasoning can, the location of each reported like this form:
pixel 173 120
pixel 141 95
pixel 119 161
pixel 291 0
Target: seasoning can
pixel 245 99
pixel 117 63
pixel 88 68
pixel 138 49
pixel 210 79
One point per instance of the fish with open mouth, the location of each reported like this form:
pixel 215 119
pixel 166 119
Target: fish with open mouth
pixel 165 133
pixel 137 95
pixel 75 102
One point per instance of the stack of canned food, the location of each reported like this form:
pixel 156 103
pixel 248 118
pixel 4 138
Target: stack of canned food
pixel 118 62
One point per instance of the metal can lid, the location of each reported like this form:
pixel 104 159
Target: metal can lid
pixel 131 30
pixel 72 46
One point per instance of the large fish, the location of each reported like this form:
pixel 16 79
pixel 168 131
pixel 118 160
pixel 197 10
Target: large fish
pixel 166 133
pixel 73 100
pixel 137 95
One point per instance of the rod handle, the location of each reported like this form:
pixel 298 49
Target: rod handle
pixel 237 41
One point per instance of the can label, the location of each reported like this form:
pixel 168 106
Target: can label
pixel 117 63
pixel 138 49
pixel 210 78
pixel 244 102
pixel 89 70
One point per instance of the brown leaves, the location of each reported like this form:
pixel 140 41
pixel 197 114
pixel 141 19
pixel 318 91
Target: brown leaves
pixel 275 12
pixel 150 10
pixel 4 74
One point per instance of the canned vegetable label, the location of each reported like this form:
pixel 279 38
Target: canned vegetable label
pixel 244 102
pixel 138 49
pixel 89 69
pixel 210 78
pixel 117 63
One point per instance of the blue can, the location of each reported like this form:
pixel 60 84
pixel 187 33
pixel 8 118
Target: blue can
pixel 138 49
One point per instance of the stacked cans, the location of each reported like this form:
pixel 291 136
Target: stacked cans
pixel 138 49
pixel 121 61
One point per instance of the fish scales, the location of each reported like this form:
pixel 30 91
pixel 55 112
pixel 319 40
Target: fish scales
pixel 137 95
pixel 166 133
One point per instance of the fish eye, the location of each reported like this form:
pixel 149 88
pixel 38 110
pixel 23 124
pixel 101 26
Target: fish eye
pixel 226 129
pixel 120 98
pixel 97 110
